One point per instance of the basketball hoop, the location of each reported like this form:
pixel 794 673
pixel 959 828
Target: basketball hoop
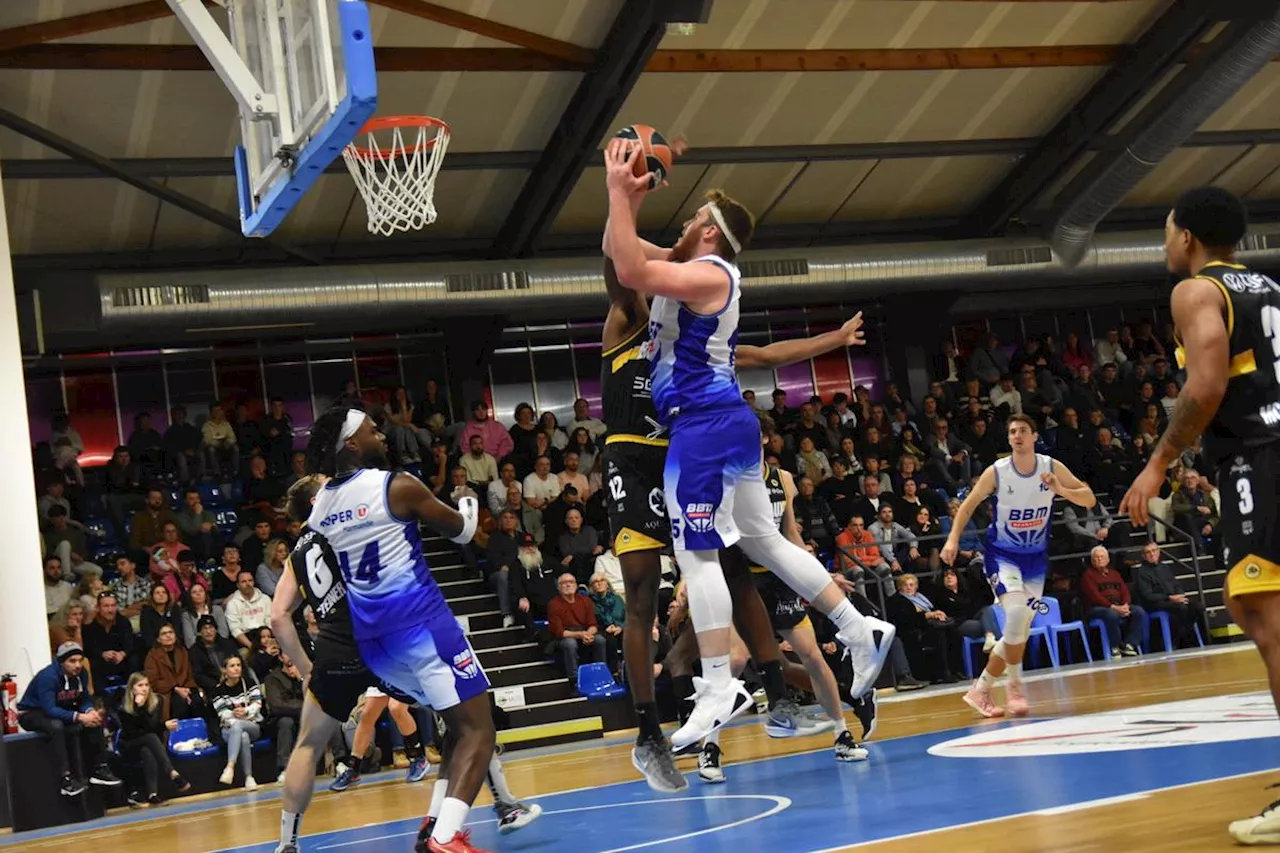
pixel 395 170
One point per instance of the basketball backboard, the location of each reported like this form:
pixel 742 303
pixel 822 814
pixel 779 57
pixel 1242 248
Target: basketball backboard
pixel 302 72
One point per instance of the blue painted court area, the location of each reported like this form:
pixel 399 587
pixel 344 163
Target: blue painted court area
pixel 910 785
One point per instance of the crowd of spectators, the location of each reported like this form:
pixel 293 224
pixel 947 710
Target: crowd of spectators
pixel 168 596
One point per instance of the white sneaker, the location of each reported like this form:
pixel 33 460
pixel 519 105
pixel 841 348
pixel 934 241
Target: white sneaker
pixel 508 621
pixel 711 709
pixel 228 774
pixel 1259 830
pixel 250 784
pixel 866 653
pixel 280 778
pixel 988 644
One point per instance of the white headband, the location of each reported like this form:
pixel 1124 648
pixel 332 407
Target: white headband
pixel 724 229
pixel 354 420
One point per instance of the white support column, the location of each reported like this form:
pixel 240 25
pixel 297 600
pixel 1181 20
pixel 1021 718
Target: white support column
pixel 24 631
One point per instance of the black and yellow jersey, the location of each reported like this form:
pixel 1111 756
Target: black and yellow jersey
pixel 1249 415
pixel 626 395
pixel 319 577
pixel 777 499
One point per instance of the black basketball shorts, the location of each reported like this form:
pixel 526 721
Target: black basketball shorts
pixel 633 496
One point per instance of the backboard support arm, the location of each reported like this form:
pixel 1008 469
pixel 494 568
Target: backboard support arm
pixel 222 55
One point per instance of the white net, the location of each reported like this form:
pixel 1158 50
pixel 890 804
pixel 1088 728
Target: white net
pixel 395 169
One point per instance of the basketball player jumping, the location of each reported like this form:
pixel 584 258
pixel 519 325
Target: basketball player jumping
pixel 337 677
pixel 1022 486
pixel 1227 319
pixel 714 488
pixel 404 629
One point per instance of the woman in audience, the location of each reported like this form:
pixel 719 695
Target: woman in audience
pixel 90 586
pixel 836 431
pixel 580 443
pixel 611 617
pixel 238 702
pixel 196 604
pixel 923 626
pixel 159 610
pixel 164 554
pixel 207 654
pixel 921 525
pixel 908 469
pixel 970 538
pixel 409 443
pixel 909 444
pixel 524 434
pixel 274 554
pixel 265 655
pixel 812 461
pixel 549 424
pixel 168 666
pixel 973 614
pixel 67 627
pixel 143 732
pixel 1075 354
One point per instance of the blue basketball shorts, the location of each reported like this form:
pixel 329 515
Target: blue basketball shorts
pixel 432 662
pixel 713 483
pixel 1012 572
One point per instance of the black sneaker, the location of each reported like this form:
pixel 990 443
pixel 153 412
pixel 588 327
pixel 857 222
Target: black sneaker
pixel 103 776
pixel 847 749
pixel 136 800
pixel 652 757
pixel 865 710
pixel 72 785
pixel 709 763
pixel 182 785
pixel 154 800
pixel 424 835
pixel 908 682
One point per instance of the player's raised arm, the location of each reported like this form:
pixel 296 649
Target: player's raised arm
pixel 1197 315
pixel 981 491
pixel 285 600
pixel 408 498
pixel 1064 484
pixel 789 352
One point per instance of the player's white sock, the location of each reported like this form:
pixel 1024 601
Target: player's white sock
pixel 716 670
pixel 987 679
pixel 847 619
pixel 497 780
pixel 841 725
pixel 438 792
pixel 1015 672
pixel 453 814
pixel 714 737
pixel 289 823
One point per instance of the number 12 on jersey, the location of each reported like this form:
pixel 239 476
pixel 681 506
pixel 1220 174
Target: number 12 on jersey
pixel 367 570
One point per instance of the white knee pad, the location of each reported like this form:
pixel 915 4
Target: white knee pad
pixel 1017 619
pixel 710 606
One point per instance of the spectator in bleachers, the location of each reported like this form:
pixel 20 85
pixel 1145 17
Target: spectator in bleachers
pixel 858 552
pixel 195 606
pixel 181 445
pixel 582 420
pixel 808 425
pixel 970 537
pixel 143 732
pixel 264 654
pixel 571 619
pixel 541 487
pixel 896 542
pixel 186 578
pixel 253 550
pixel 108 641
pixel 131 590
pixel 988 363
pixel 1170 398
pixel 504 558
pixel 247 610
pixel 582 443
pixel 458 488
pixel 481 467
pixel 542 447
pixel 497 441
pixel 1108 350
pixel 872 499
pixel 168 667
pixel 55 489
pixel 524 433
pixel 878 444
pixel 835 432
pixel 248 436
pixel 923 626
pixel 611 617
pixel 218 438
pixel 496 492
pixel 548 423
pixel 985 444
pixel 973 611
pixel 161 609
pixel 1193 507
pixel 57 704
pixel 817 523
pixel 1082 393
pixel 1115 471
pixel 147 526
pixel 1106 597
pixel 277 436
pixel 67 626
pixel 297 467
pixel 122 491
pixel 776 453
pixel 431 405
pixel 922 525
pixel 207 654
pixel 1113 391
pixel 87 592
pixel 573 476
pixel 1005 399
pixel 57 592
pixel 1089 527
pixel 840 490
pixel 271 568
pixel 1160 590
pixel 283 692
pixel 1075 354
pixel 69 543
pixel 949 454
pixel 261 492
pixel 811 461
pixel 533 584
pixel 579 545
pixel 224 579
pixel 948 365
pixel 198 527
pixel 146 445
pixel 238 702
pixel 166 553
pixel 436 473
pixel 553 518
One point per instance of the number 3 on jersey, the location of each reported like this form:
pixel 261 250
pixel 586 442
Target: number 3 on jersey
pixel 367 570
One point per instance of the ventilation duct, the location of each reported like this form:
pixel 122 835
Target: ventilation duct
pixel 246 299
pixel 1240 51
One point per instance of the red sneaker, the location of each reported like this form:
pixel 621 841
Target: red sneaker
pixel 460 843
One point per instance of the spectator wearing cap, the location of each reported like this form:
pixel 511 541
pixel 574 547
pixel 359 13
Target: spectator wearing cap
pixel 208 652
pixel 57 705
pixel 196 605
pixel 181 581
pixel 571 618
pixel 533 582
pixel 248 609
pixel 168 666
pixel 108 641
pixel 57 592
pixel 69 543
pixel 497 441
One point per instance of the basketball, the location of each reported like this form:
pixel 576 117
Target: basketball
pixel 657 152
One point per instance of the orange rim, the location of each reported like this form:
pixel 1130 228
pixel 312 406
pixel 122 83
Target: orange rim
pixel 387 123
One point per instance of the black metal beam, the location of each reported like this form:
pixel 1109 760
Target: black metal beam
pixel 1141 66
pixel 111 168
pixel 634 36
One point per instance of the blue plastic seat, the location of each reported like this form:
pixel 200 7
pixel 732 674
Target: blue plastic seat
pixel 596 682
pixel 969 644
pixel 212 497
pixel 192 730
pixel 1052 620
pixel 1166 632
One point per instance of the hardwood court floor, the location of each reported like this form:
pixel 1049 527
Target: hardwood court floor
pixel 873 806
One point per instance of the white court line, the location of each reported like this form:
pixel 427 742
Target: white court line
pixel 1089 804
pixel 779 804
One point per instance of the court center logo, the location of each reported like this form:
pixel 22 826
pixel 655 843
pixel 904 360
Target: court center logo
pixel 1215 719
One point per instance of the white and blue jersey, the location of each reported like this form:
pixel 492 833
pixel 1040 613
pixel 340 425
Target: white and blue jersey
pixel 404 629
pixel 1021 521
pixel 692 354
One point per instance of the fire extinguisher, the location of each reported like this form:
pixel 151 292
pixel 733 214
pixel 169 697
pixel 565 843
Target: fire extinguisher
pixel 9 702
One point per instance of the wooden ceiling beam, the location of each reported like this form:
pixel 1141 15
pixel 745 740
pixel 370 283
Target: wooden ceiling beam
pixel 79 25
pixel 491 29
